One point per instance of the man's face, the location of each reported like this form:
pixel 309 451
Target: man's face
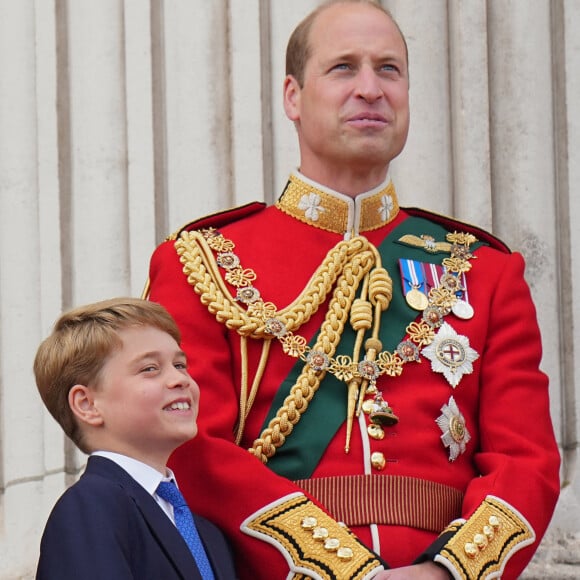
pixel 353 108
pixel 145 396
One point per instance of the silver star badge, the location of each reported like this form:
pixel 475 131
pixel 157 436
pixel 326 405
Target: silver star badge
pixel 450 354
pixel 455 433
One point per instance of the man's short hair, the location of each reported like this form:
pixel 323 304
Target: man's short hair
pixel 79 345
pixel 298 50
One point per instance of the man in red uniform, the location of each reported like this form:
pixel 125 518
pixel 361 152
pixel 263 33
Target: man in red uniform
pixel 372 404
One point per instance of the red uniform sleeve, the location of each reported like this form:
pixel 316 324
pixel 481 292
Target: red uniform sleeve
pixel 517 459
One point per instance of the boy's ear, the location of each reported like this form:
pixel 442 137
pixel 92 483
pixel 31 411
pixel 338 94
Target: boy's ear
pixel 81 401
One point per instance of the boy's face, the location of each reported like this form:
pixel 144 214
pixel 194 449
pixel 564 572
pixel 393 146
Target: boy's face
pixel 146 399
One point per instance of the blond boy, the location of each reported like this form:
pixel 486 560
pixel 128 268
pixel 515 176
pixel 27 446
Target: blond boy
pixel 115 378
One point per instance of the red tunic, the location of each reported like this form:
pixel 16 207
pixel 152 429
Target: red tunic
pixel 512 454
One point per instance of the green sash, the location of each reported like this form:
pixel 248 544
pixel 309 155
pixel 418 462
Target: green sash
pixel 304 447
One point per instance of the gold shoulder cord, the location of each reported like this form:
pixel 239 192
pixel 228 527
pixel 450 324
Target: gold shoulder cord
pixel 343 269
pixel 331 330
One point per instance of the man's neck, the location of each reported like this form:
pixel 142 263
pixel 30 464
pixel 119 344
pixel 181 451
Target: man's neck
pixel 345 180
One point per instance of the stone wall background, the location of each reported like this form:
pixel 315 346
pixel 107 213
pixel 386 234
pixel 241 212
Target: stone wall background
pixel 122 119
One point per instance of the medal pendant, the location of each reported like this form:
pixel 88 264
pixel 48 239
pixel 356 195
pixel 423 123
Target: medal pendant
pixel 381 414
pixel 384 418
pixel 462 309
pixel 417 299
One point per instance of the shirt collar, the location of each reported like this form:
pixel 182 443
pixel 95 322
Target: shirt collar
pixel 147 476
pixel 321 207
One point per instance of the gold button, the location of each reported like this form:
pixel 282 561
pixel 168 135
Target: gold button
pixel 376 432
pixel 309 523
pixel 320 534
pixel 489 532
pixel 367 406
pixel 332 544
pixel 345 553
pixel 378 460
pixel 480 541
pixel 470 550
pixel 494 522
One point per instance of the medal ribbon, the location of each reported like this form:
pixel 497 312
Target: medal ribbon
pixel 433 273
pixel 412 275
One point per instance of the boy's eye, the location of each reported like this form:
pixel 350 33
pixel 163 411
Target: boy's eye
pixel 149 369
pixel 181 365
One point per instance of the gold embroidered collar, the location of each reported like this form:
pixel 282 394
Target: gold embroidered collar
pixel 323 208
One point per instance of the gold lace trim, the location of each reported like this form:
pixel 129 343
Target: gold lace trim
pixel 321 209
pixel 482 546
pixel 314 541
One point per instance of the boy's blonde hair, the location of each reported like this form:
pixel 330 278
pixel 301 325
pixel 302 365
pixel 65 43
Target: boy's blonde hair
pixel 78 347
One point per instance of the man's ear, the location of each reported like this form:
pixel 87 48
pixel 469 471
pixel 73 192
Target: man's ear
pixel 82 403
pixel 292 92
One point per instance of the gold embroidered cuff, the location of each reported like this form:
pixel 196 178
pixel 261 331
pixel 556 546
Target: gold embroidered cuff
pixel 481 547
pixel 311 541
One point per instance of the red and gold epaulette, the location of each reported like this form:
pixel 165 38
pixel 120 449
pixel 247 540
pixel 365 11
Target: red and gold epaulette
pixel 220 218
pixel 453 224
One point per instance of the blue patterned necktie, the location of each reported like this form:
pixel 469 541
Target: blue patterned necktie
pixel 186 526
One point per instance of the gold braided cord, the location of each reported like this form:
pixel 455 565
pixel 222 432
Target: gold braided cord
pixel 195 250
pixel 361 315
pixel 243 403
pixel 361 319
pixel 202 271
pixel 248 403
pixel 343 269
pixel 308 382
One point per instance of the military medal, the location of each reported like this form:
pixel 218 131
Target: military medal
pixel 462 309
pixel 416 299
pixel 450 354
pixel 413 279
pixel 458 285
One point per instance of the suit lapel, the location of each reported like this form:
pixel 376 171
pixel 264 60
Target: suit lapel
pixel 160 525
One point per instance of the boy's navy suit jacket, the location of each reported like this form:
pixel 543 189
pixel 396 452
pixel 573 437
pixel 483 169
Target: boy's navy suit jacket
pixel 107 526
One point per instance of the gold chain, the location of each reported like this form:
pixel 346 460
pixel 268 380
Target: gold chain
pixel 344 267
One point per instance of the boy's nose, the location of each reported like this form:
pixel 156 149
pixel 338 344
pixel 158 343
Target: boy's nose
pixel 177 378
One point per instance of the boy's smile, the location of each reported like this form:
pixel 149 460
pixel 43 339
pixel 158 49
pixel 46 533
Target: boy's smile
pixel 146 399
